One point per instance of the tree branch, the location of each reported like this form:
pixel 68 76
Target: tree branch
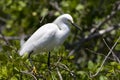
pixel 55 5
pixel 59 74
pixel 116 8
pixel 99 69
pixel 97 34
pixel 3 19
pixel 3 37
pixel 112 52
pixel 25 72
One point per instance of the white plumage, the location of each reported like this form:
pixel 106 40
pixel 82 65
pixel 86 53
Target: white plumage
pixel 49 35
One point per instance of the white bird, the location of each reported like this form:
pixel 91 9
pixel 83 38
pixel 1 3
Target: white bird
pixel 48 36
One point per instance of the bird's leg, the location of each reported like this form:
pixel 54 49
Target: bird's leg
pixel 31 62
pixel 48 63
pixel 29 58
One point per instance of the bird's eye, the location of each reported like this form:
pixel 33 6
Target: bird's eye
pixel 69 20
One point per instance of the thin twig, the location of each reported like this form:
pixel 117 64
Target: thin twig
pixel 101 32
pixel 67 69
pixel 42 19
pixel 25 72
pixel 12 37
pixel 112 51
pixel 56 6
pixel 3 37
pixel 108 18
pixel 59 74
pixel 105 59
pixel 98 53
pixel 7 43
pixel 3 19
pixel 97 34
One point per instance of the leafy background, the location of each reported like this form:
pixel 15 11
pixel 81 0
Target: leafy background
pixel 91 53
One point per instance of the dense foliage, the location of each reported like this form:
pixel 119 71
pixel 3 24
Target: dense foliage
pixel 89 54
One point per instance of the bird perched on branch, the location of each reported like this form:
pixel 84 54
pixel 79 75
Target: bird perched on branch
pixel 48 36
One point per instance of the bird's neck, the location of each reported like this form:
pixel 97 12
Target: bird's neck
pixel 63 30
pixel 62 26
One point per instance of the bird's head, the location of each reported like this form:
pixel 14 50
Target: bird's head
pixel 67 19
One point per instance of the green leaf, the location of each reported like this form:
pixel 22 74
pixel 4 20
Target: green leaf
pixel 103 78
pixel 91 65
pixel 117 47
pixel 79 7
pixel 44 12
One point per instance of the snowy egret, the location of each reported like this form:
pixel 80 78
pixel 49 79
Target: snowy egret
pixel 48 36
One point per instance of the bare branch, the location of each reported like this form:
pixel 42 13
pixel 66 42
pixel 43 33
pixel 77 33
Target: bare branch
pixel 112 52
pixel 67 69
pixel 59 74
pixel 105 59
pixel 3 37
pixel 42 19
pixel 12 37
pixel 25 72
pixel 116 8
pixel 101 32
pixel 99 54
pixel 56 6
pixel 3 19
pixel 97 34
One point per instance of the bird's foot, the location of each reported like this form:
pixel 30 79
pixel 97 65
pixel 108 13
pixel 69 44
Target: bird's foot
pixel 49 68
pixel 34 70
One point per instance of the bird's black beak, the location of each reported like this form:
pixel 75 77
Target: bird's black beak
pixel 76 26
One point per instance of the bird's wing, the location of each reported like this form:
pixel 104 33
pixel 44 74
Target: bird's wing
pixel 39 38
